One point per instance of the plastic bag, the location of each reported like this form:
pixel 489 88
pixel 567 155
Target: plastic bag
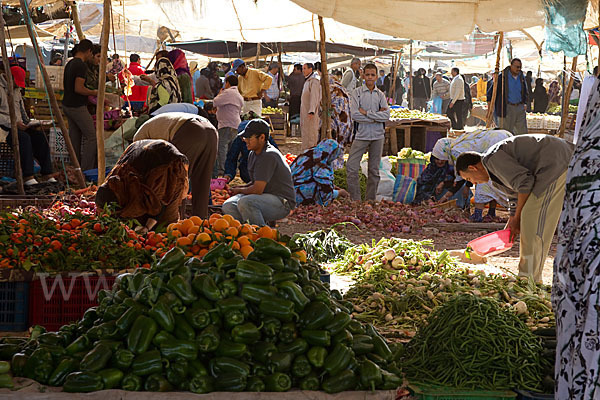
pixel 411 167
pixel 405 189
pixel 385 189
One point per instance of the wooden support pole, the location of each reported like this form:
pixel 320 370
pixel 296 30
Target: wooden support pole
pixel 326 96
pixel 565 109
pixel 11 110
pixel 394 77
pixel 410 80
pixel 102 91
pixel 77 21
pixel 280 64
pixel 53 103
pixel 491 104
pixel 257 55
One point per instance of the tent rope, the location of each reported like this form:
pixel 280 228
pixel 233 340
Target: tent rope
pixel 238 19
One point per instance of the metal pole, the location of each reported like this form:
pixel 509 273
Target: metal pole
pixel 53 103
pixel 490 113
pixel 326 96
pixel 410 78
pixel 11 110
pixel 101 92
pixel 564 82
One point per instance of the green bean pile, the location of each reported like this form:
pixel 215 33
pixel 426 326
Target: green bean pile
pixel 471 343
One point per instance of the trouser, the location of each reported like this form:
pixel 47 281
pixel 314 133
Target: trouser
pixel 359 147
pixel 257 209
pixel 226 137
pixel 252 105
pixel 199 144
pixel 515 120
pixel 83 136
pixel 32 145
pixel 295 102
pixel 270 103
pixel 455 113
pixel 539 219
pixel 445 106
pixel 309 130
pixel 420 103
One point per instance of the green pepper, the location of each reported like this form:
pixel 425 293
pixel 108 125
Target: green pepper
pixel 113 345
pixel 380 346
pixel 57 352
pixel 36 331
pixel 162 337
pixel 227 365
pixel 17 364
pixel 339 323
pixel 301 367
pixel 208 339
pixel 296 347
pixel 317 337
pixel 126 320
pixel 177 373
pixel 96 359
pixel 271 327
pixel 183 329
pixel 111 377
pixel 287 334
pixel 104 294
pixel 201 384
pixel 162 314
pixel 220 250
pixel 316 315
pixel 146 295
pixel 229 287
pixel 120 295
pixel 228 348
pixel 278 382
pixel 338 359
pixel 284 277
pixel 255 384
pixel 122 359
pixel 356 328
pixel 233 318
pixel 370 375
pixel 343 381
pixel 279 308
pixel 130 302
pixel 377 359
pixel 171 260
pixel 390 381
pixel 113 312
pixel 196 265
pixel 292 265
pixel 83 382
pixel 14 340
pixel 294 293
pixel 230 383
pixel 310 292
pixel 64 368
pixel 197 368
pixel 248 271
pixel 256 293
pixel 362 344
pixel 51 338
pixel 6 381
pixel 316 356
pixel 147 363
pixel 266 247
pixel 39 366
pixel 179 349
pixel 179 285
pixel 157 383
pixel 205 285
pixel 197 317
pixel 274 262
pixel 131 383
pixel 232 304
pixel 280 362
pixel 173 302
pixel 80 344
pixel 344 337
pixel 107 330
pixel 141 334
pixel 310 382
pixel 246 333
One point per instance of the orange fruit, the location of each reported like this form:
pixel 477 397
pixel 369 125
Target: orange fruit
pixel 194 229
pixel 218 236
pixel 184 241
pixel 203 238
pixel 186 224
pixel 196 220
pixel 246 229
pixel 236 224
pixel 228 218
pixel 245 250
pixel 176 233
pixel 300 255
pixel 244 241
pixel 202 252
pixel 220 225
pixel 231 231
pixel 235 245
pixel 266 232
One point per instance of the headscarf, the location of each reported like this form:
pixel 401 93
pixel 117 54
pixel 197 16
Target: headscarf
pixel 442 150
pixel 553 91
pixel 193 67
pixel 341 122
pixel 177 58
pixel 167 78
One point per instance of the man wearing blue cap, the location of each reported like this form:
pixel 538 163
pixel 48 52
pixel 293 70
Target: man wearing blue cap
pixel 252 85
pixel 270 195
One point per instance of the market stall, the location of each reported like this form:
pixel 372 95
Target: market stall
pixel 415 129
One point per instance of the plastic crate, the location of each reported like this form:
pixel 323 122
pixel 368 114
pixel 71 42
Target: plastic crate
pixel 58 147
pixel 425 392
pixel 59 300
pixel 14 298
pixel 9 201
pixel 7 160
pixel 525 395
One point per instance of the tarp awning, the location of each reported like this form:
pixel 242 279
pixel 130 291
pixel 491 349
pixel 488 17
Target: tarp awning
pixel 230 49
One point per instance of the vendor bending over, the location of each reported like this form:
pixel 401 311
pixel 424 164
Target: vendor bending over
pixel 531 170
pixel 270 194
pixel 147 184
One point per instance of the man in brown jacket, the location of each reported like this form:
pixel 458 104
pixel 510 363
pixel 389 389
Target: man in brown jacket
pixel 310 107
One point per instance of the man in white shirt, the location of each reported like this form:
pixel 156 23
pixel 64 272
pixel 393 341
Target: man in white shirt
pixel 457 99
pixel 352 77
pixel 272 94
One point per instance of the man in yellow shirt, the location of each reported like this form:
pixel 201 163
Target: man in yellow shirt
pixel 252 84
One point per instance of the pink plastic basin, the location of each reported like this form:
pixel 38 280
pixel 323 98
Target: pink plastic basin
pixel 492 243
pixel 218 183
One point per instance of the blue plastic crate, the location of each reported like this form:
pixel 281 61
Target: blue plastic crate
pixel 14 299
pixel 325 277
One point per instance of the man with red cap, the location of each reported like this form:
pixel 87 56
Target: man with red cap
pixel 32 142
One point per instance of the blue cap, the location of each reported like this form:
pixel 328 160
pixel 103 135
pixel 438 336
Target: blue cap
pixel 236 64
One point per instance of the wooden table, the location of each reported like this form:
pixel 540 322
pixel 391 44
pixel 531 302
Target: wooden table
pixel 410 129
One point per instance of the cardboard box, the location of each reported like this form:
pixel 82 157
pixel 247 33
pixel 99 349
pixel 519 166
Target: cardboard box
pixel 55 72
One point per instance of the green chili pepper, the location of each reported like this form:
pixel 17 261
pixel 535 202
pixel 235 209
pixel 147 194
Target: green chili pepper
pixel 255 384
pixel 278 382
pixel 157 383
pixel 208 339
pixel 64 368
pixel 310 292
pixel 51 338
pixel 249 271
pixel 131 383
pixel 196 265
pixel 113 345
pixel 310 382
pixel 205 285
pixel 316 356
pixel 292 265
pixel 343 381
pixel 147 363
pixel 83 382
pixel 247 333
pixel 107 330
pixel 338 359
pixel 96 359
pixel 316 315
pixel 356 328
pixel 111 377
pixel 141 334
pixel 122 359
pixel 301 367
pixel 230 383
pixel 114 311
pixel 380 346
pixel 280 362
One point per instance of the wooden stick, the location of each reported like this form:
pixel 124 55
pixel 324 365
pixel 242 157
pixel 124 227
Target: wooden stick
pixel 11 110
pixel 410 79
pixel 565 109
pixel 394 75
pixel 77 21
pixel 491 103
pixel 280 64
pixel 326 96
pixel 101 92
pixel 257 55
pixel 53 102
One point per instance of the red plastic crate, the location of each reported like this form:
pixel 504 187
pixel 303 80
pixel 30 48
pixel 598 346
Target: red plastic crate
pixel 59 300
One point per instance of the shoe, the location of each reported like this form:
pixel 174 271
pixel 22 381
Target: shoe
pixel 31 182
pixel 52 180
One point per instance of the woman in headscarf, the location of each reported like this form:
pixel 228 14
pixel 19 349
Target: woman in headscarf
pixel 312 172
pixel 166 90
pixel 148 183
pixel 554 92
pixel 177 58
pixel 341 122
pixel 575 293
pixel 480 141
pixel 540 97
pixel 434 181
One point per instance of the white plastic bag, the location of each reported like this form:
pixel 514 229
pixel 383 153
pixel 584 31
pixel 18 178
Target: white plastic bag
pixel 385 189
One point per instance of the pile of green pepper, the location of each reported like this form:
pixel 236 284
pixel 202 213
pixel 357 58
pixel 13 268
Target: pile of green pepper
pixel 225 323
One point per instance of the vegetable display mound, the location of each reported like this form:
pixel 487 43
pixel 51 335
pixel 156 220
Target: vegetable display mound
pixel 471 343
pixel 322 245
pixel 223 323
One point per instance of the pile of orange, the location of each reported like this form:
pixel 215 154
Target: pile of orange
pixel 197 236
